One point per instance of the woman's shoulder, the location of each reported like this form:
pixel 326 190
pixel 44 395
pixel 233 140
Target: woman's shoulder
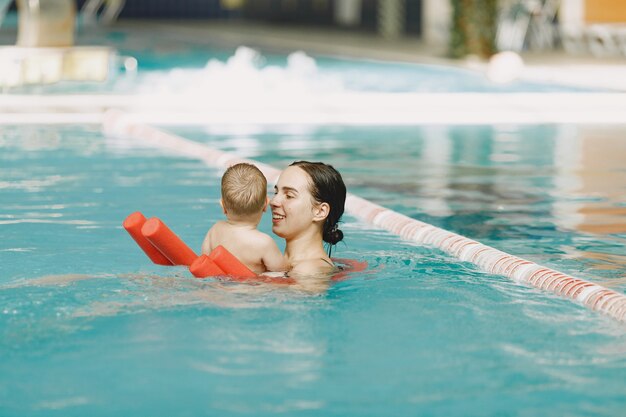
pixel 313 267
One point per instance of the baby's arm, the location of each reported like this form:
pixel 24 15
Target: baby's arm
pixel 273 259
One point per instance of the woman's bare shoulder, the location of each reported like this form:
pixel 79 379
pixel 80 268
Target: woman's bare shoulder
pixel 311 276
pixel 313 267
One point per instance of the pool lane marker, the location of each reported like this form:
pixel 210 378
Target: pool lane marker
pixel 494 261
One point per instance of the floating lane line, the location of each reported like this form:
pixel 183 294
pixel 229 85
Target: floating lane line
pixel 352 108
pixel 494 261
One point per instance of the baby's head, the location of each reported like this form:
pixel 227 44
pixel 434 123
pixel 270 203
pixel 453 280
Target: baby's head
pixel 244 191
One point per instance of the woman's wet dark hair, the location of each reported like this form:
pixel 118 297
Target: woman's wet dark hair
pixel 327 186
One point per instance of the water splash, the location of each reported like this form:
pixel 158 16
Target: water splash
pixel 244 73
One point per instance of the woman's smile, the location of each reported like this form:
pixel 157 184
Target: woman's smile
pixel 276 218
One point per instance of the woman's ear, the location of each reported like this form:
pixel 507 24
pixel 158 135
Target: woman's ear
pixel 320 212
pixel 222 205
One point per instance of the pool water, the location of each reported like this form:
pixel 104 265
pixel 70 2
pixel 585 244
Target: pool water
pixel 89 327
pixel 173 62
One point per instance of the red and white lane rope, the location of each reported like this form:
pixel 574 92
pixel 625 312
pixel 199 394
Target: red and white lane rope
pixel 593 296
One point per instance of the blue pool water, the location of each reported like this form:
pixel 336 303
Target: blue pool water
pixel 89 327
pixel 169 61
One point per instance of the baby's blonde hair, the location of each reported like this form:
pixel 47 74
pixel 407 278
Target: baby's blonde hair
pixel 244 189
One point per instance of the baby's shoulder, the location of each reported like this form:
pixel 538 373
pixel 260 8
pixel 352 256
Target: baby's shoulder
pixel 261 238
pixel 217 227
pixel 220 224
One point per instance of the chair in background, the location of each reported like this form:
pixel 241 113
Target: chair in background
pixel 101 11
pixel 527 24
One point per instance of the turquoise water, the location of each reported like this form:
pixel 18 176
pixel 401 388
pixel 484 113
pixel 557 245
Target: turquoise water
pixel 171 61
pixel 89 327
pixel 178 52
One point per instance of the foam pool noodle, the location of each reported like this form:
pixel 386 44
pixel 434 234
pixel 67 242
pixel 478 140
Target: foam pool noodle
pixel 133 224
pixel 220 262
pixel 167 242
pixel 203 267
pixel 228 263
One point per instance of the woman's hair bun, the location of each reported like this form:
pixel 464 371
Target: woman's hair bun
pixel 333 236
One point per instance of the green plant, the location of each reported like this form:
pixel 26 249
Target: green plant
pixel 473 30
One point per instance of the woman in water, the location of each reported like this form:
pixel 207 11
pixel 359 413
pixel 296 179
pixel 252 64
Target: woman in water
pixel 308 202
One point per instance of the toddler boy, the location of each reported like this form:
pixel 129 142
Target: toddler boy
pixel 244 200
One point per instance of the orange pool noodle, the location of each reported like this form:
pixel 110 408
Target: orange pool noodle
pixel 133 224
pixel 207 266
pixel 228 263
pixel 203 267
pixel 167 242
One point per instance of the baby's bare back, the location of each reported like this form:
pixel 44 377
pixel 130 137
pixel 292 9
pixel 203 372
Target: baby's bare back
pixel 249 245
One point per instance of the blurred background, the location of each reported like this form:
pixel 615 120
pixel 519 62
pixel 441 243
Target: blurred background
pixel 479 27
pixel 571 31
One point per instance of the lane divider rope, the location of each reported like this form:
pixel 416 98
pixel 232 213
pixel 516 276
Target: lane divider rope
pixel 494 261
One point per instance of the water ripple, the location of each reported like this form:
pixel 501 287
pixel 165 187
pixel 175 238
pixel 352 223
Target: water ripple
pixel 47 221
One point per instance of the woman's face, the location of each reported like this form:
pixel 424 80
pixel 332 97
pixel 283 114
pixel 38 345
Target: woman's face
pixel 292 204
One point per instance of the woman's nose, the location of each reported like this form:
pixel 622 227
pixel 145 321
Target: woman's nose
pixel 274 201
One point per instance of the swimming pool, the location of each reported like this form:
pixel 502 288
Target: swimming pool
pixel 89 327
pixel 172 59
